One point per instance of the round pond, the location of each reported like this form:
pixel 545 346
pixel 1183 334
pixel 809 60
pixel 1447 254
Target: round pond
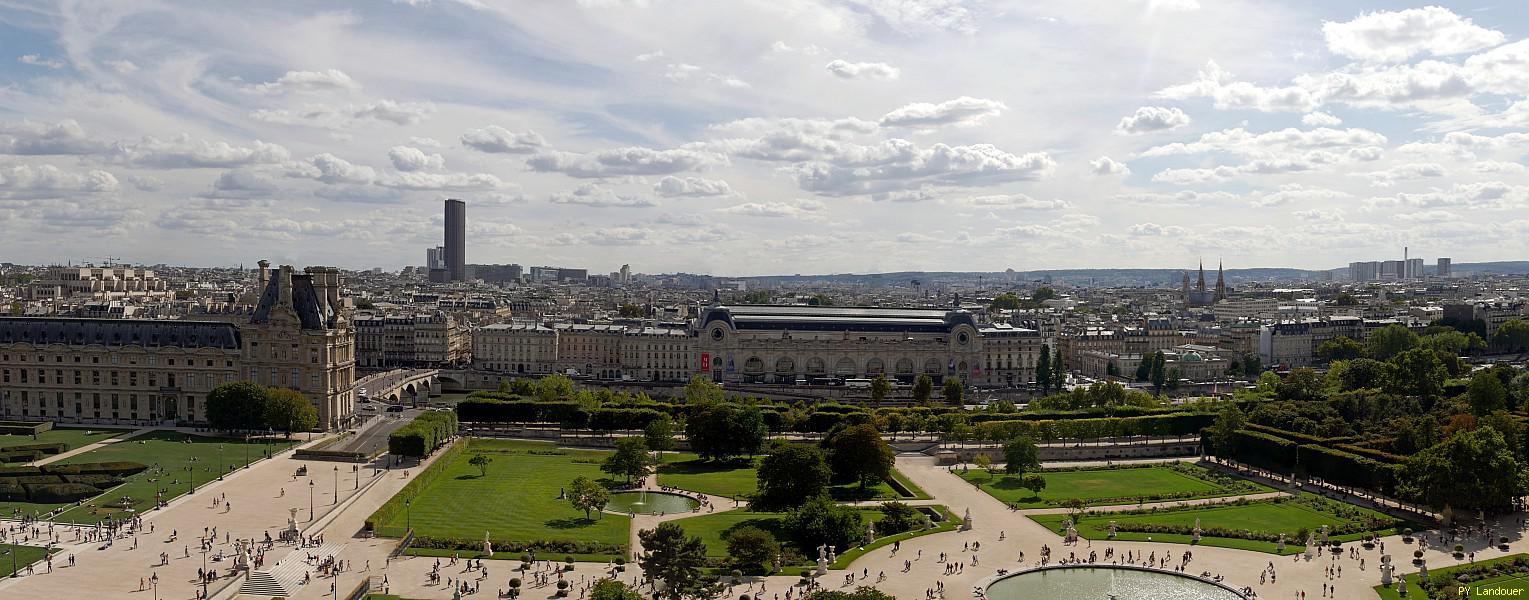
pixel 650 503
pixel 1105 583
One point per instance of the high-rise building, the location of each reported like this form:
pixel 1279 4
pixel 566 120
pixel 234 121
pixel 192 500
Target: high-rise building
pixel 1364 270
pixel 435 258
pixel 1414 268
pixel 456 240
pixel 1443 270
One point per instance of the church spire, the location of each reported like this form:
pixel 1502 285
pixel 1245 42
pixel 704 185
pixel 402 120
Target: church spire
pixel 1200 286
pixel 1220 282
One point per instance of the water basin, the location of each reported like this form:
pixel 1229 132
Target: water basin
pixel 650 503
pixel 1105 583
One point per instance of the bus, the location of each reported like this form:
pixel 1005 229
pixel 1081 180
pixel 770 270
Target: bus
pixel 858 383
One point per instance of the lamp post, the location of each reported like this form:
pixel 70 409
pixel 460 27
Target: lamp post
pixel 204 572
pixel 191 468
pixel 337 484
pixel 246 450
pixel 310 501
pixel 221 464
pixel 154 581
pixel 356 470
pixel 407 522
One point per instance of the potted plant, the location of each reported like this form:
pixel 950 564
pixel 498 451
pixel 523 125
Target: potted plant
pixel 1407 535
pixel 562 588
pixel 1459 551
pixel 514 587
pixel 568 562
pixel 621 564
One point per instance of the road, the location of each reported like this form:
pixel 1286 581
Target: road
pixel 374 435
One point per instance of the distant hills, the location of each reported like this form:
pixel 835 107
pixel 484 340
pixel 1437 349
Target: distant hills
pixel 1112 277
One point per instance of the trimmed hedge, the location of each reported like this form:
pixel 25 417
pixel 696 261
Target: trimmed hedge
pixel 1343 468
pixel 555 546
pixel 1264 450
pixel 423 434
pixel 1159 425
pixel 394 505
pixel 24 427
pixel 120 468
pixel 55 493
pixel 49 448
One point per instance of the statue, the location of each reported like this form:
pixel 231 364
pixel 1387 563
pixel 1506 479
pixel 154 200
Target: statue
pixel 1422 570
pixel 870 533
pixel 1324 535
pixel 1196 536
pixel 1385 570
pixel 822 551
pixel 1311 545
pixel 1280 547
pixel 1072 533
pixel 488 547
pixel 1112 530
pixel 966 521
pixel 832 556
pixel 822 561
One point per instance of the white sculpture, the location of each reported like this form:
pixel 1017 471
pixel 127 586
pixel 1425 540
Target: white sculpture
pixel 1112 530
pixel 966 521
pixel 1311 545
pixel 1197 530
pixel 1280 548
pixel 488 547
pixel 822 561
pixel 1385 570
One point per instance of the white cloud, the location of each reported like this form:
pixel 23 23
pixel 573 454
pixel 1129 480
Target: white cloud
pixel 1395 36
pixel 1320 119
pixel 1148 119
pixel 1217 84
pixel 801 209
pixel 1403 172
pixel 1282 142
pixel 600 197
pixel 338 117
pixel 965 110
pixel 239 183
pixel 329 168
pixel 307 81
pixel 980 164
pixel 406 158
pixel 607 236
pixel 910 237
pixel 1155 230
pixel 446 182
pixel 498 140
pixel 1173 5
pixel 1015 201
pixel 1105 165
pixel 1501 70
pixel 33 138
pixel 672 186
pixel 921 194
pixel 38 61
pixel 634 160
pixel 121 66
pixel 48 181
pixel 922 16
pixel 183 152
pixel 878 71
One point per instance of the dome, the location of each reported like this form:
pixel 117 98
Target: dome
pixel 1192 357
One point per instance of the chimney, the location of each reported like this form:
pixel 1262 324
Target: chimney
pixel 265 274
pixel 284 286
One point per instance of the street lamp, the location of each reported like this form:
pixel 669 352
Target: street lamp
pixel 191 468
pixel 310 501
pixel 246 450
pixel 356 470
pixel 204 572
pixel 337 484
pixel 221 464
pixel 407 522
pixel 154 581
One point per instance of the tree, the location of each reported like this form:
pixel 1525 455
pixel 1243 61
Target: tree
pixel 923 388
pixel 790 475
pixel 720 432
pixel 1268 381
pixel 481 461
pixel 676 560
pixel 983 462
pixel 1390 341
pixel 953 391
pixel 897 517
pixel 821 521
pixel 820 300
pixel 1144 367
pixel 1301 384
pixel 1512 335
pixel 750 548
pixel 288 411
pixel 631 459
pixel 613 589
pixel 1340 348
pixel 1363 373
pixel 1035 482
pixel 1416 372
pixel 857 453
pixel 1453 342
pixel 1473 470
pixel 1223 431
pixel 1058 370
pixel 1042 294
pixel 1345 299
pixel 880 386
pixel 1005 301
pixel 236 405
pixel 1486 393
pixel 588 496
pixel 1173 378
pixel 1159 375
pixel 1252 364
pixel 701 390
pixel 1020 456
pixel 660 435
pixel 630 311
pixel 1043 369
pixel 553 388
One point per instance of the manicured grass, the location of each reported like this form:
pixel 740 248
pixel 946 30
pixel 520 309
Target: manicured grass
pixel 1102 486
pixel 25 555
pixel 75 438
pixel 167 449
pixel 713 529
pixel 740 479
pixel 1415 592
pixel 1287 517
pixel 516 501
pixel 553 556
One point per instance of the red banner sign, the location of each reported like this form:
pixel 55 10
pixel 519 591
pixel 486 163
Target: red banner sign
pixel 705 361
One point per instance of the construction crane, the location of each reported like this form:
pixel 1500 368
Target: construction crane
pixel 107 260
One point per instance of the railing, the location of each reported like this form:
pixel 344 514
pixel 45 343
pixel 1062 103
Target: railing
pixel 403 543
pixel 361 589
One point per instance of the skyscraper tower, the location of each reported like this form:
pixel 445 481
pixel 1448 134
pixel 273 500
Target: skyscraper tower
pixel 456 240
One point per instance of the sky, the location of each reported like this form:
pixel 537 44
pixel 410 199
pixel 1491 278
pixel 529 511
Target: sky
pixel 753 137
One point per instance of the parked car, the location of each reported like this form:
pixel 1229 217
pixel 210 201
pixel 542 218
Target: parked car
pixel 395 408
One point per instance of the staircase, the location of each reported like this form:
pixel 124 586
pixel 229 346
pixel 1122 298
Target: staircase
pixel 283 578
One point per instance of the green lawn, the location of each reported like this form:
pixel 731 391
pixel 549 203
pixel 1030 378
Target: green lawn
pixel 1103 486
pixel 713 529
pixel 1415 592
pixel 517 501
pixel 1287 517
pixel 166 449
pixel 25 555
pixel 739 479
pixel 75 438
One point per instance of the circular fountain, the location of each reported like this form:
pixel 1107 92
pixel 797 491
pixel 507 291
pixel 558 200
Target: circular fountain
pixel 644 502
pixel 1091 582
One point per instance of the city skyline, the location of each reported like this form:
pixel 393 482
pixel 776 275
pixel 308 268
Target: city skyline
pixel 861 136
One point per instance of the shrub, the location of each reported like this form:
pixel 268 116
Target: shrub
pixel 12 492
pixel 56 493
pixel 423 434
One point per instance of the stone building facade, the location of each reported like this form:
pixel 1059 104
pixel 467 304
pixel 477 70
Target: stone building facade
pixel 159 371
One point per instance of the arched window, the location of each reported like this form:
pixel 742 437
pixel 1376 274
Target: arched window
pixel 874 366
pixel 753 366
pixel 904 366
pixel 815 366
pixel 932 366
pixel 844 367
pixel 784 364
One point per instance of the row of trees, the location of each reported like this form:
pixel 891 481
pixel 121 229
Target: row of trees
pixel 1050 370
pixel 793 474
pixel 249 406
